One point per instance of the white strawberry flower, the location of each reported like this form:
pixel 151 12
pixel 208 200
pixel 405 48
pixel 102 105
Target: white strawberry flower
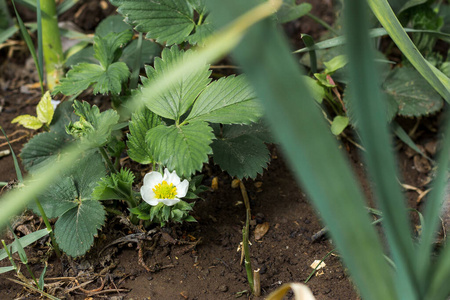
pixel 167 189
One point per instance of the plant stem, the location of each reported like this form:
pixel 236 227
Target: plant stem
pixel 324 24
pixel 52 47
pixel 49 228
pixel 106 158
pixel 245 231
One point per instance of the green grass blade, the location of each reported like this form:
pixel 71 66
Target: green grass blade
pixel 373 33
pixel 309 42
pixel 65 6
pixel 137 64
pixel 312 150
pixel 439 289
pixel 434 205
pixel 40 44
pixel 30 45
pixel 387 18
pixel 7 33
pixel 16 163
pixel 379 156
pixel 25 241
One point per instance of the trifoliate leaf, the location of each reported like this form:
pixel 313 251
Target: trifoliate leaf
pixel 69 199
pixel 27 121
pixel 141 122
pixel 117 186
pixel 228 100
pixel 166 21
pixel 75 229
pixel 176 100
pixel 183 148
pixel 202 31
pixel 93 126
pixel 84 75
pixel 44 109
pixel 239 153
pixel 413 94
pixel 108 49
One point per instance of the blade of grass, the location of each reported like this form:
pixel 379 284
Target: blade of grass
pixel 309 42
pixel 25 241
pixel 39 32
pixel 312 151
pixel 387 18
pixel 379 156
pixel 438 283
pixel 373 33
pixel 434 205
pixel 7 33
pixel 65 6
pixel 30 45
pixel 16 163
pixel 136 64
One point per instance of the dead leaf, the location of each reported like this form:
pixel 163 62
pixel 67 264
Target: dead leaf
pixel 422 164
pixel 235 183
pixel 318 264
pixel 261 230
pixel 215 184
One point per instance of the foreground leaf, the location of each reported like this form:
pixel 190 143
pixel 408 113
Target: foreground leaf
pixel 183 148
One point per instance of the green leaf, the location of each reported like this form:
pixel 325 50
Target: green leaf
pixel 183 148
pixel 43 149
pixel 63 116
pixel 291 11
pixel 335 64
pixel 108 49
pixel 84 75
pixel 44 109
pixel 168 22
pixel 199 6
pixel 149 51
pixel 141 122
pixel 117 186
pixel 228 100
pixel 339 124
pixel 114 23
pixel 316 90
pixel 25 241
pixel 202 31
pixel 413 94
pixel 240 152
pixel 75 229
pixel 176 100
pixel 94 126
pixel 6 269
pixel 28 121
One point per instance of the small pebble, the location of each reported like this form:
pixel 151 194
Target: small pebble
pixel 223 288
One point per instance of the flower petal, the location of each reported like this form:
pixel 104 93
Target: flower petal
pixel 182 188
pixel 148 195
pixel 172 177
pixel 169 202
pixel 153 178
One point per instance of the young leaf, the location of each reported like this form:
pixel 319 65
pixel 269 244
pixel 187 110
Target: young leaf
pixel 104 80
pixel 75 230
pixel 240 152
pixel 44 109
pixel 228 100
pixel 114 187
pixel 27 121
pixel 202 31
pixel 174 102
pixel 168 22
pixel 141 122
pixel 183 148
pixel 413 94
pixel 339 124
pixel 94 126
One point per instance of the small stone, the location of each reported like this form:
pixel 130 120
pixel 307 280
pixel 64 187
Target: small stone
pixel 223 288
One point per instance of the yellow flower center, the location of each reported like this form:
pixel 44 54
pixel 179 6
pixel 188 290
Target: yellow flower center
pixel 165 190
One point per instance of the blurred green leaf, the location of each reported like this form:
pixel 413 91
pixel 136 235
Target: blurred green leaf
pixel 339 124
pixel 290 11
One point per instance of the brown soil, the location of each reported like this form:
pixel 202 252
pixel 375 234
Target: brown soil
pixel 199 260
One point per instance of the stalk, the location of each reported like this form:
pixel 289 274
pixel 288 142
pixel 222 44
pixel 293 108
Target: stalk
pixel 53 54
pixel 245 232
